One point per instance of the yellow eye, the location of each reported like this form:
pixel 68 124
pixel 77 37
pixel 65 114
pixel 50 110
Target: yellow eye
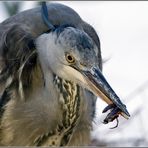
pixel 70 58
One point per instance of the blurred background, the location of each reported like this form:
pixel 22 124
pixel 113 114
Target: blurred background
pixel 123 30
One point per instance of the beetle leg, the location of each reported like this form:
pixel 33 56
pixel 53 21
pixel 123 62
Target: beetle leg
pixel 110 106
pixel 116 124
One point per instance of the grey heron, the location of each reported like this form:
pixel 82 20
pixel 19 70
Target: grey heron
pixel 50 79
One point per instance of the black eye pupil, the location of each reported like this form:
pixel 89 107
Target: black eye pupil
pixel 70 58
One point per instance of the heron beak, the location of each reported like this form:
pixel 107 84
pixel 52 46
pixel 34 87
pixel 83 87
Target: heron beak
pixel 100 87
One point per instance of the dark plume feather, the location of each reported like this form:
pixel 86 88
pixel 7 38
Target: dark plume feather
pixel 19 59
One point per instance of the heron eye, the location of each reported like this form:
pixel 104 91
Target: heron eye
pixel 70 58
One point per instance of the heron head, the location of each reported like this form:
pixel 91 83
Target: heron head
pixel 71 54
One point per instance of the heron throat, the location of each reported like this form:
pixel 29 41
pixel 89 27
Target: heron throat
pixel 70 95
pixel 70 101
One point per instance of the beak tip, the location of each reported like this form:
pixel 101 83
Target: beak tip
pixel 124 111
pixel 100 86
pixel 125 114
